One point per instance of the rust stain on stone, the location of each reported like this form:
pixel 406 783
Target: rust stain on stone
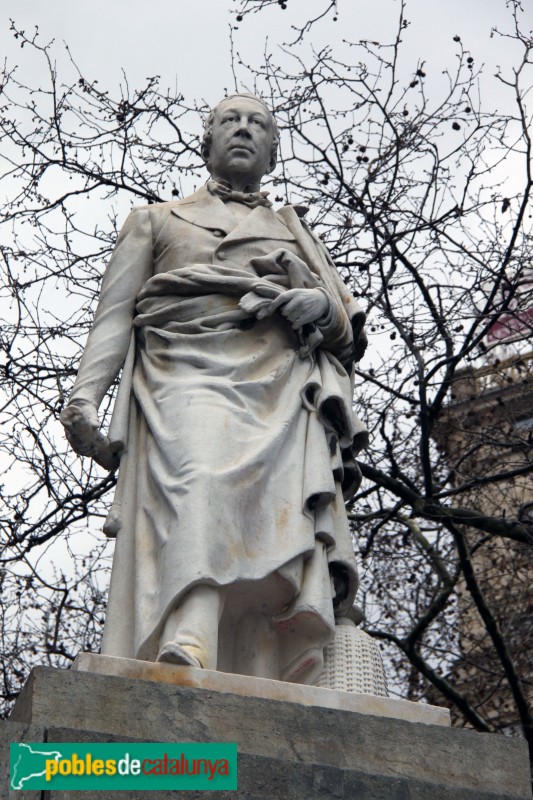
pixel 282 518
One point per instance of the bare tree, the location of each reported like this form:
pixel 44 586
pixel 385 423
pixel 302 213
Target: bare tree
pixel 423 198
pixel 409 187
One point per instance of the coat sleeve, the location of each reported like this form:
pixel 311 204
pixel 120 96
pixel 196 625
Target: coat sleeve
pixel 129 268
pixel 354 349
pixel 343 328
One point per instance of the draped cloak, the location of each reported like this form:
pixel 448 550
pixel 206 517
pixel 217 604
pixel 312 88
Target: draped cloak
pixel 237 435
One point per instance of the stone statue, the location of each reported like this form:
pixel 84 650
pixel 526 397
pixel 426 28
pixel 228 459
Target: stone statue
pixel 233 424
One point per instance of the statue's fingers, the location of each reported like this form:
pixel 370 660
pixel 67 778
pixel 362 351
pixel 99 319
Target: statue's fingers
pixel 81 448
pixel 278 304
pixel 292 308
pixel 80 443
pixel 265 311
pixel 286 311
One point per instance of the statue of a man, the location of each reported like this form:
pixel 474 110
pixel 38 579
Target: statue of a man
pixel 233 422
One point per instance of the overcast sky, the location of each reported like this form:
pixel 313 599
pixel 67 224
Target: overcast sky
pixel 188 40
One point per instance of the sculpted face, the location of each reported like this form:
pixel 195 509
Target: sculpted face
pixel 241 144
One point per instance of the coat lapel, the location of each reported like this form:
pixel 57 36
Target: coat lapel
pixel 261 223
pixel 208 211
pixel 204 209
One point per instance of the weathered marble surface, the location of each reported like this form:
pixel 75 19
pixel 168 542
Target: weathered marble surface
pixel 286 750
pixel 233 423
pixel 261 687
pixel 11 732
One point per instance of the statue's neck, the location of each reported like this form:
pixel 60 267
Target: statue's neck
pixel 237 183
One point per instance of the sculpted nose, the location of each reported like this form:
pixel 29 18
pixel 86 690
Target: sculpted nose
pixel 243 129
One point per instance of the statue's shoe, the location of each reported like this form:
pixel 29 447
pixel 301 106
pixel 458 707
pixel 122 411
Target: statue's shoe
pixel 173 653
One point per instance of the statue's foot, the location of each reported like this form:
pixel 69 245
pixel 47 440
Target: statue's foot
pixel 173 653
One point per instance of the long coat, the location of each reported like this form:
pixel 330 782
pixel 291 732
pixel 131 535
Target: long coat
pixel 237 435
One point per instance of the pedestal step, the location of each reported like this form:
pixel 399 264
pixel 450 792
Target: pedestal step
pixel 287 750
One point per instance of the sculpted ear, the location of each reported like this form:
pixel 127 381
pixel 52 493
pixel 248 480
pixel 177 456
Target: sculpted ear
pixel 206 156
pixel 205 146
pixel 274 152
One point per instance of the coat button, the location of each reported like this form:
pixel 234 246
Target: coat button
pixel 218 233
pixel 222 256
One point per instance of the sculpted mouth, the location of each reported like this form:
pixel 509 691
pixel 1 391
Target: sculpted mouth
pixel 241 147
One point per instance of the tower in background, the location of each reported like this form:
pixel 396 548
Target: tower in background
pixel 485 434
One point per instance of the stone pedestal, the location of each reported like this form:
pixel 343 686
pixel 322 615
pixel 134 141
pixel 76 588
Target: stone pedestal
pixel 295 742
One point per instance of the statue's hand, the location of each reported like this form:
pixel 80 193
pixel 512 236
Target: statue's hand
pixel 301 306
pixel 82 429
pixel 80 420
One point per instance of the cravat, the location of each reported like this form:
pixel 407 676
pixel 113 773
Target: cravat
pixel 250 199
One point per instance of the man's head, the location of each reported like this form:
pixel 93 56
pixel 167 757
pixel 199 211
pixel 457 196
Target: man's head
pixel 240 140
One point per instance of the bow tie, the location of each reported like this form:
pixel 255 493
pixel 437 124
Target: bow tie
pixel 250 199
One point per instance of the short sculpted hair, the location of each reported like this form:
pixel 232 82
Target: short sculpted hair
pixel 208 129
